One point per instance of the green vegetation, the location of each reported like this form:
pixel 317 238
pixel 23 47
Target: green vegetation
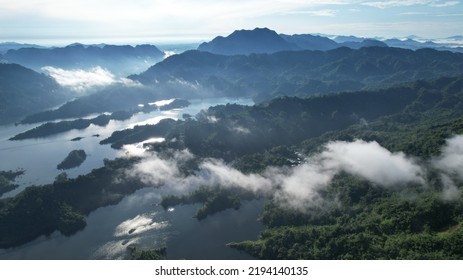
pixel 23 91
pixel 7 180
pixel 62 206
pixel 139 133
pixel 137 253
pixel 52 128
pixel 302 73
pixel 74 159
pixel 360 219
pixel 370 224
pixel 214 199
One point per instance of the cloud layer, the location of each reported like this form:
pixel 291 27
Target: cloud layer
pixel 450 164
pixel 297 187
pixel 83 80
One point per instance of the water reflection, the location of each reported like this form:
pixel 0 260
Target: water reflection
pixel 137 219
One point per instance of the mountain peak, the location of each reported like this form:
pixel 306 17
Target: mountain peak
pixel 258 40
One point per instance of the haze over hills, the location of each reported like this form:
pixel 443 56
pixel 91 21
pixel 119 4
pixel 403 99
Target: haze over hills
pixel 264 40
pixel 259 40
pixel 6 46
pixel 353 150
pixel 120 60
pixel 301 73
pixel 23 91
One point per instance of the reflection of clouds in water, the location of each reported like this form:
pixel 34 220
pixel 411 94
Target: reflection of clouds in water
pixel 162 102
pixel 114 250
pixel 138 225
pixel 154 120
pixel 129 232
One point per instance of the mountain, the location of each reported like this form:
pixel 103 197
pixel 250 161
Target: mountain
pixel 310 42
pixel 411 44
pixel 344 39
pixel 301 73
pixel 23 91
pixel 5 46
pixel 364 44
pixel 259 40
pixel 120 60
pixel 264 40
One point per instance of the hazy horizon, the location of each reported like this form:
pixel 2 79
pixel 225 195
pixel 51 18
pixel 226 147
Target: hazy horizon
pixel 51 22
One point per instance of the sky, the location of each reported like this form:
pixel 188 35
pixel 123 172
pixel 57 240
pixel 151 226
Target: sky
pixel 122 21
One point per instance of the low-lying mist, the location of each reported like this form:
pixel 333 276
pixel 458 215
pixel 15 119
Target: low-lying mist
pixel 299 187
pixel 85 81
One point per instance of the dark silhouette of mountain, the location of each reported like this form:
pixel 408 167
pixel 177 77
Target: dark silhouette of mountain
pixel 23 91
pixel 344 39
pixel 310 42
pixel 302 73
pixel 264 40
pixel 121 60
pixel 259 40
pixel 364 44
pixel 6 46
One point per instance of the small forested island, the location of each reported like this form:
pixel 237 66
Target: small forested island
pixel 52 128
pixel 139 133
pixel 137 253
pixel 214 200
pixel 74 159
pixel 63 205
pixel 358 218
pixel 7 179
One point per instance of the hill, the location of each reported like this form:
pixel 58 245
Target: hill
pixel 259 40
pixel 120 60
pixel 6 46
pixel 301 73
pixel 23 91
pixel 364 220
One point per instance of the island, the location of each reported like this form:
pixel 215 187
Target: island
pixel 214 200
pixel 7 180
pixel 139 133
pixel 74 159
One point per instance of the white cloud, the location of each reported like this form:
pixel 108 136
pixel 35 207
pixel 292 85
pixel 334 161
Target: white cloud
pixel 320 13
pixel 82 80
pixel 450 165
pixel 444 4
pixel 297 187
pixel 406 3
pixel 372 162
pixel 451 159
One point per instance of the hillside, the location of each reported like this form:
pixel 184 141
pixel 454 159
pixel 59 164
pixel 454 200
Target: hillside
pixel 264 40
pixel 259 40
pixel 353 216
pixel 301 73
pixel 23 91
pixel 120 60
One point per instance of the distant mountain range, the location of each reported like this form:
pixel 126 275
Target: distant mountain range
pixel 23 91
pixel 6 46
pixel 264 40
pixel 301 73
pixel 120 60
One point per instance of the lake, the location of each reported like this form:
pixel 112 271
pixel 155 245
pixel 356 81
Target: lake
pixel 137 219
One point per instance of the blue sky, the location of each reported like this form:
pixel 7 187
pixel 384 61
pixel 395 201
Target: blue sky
pixel 93 21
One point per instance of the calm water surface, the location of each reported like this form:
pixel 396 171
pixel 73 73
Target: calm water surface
pixel 137 219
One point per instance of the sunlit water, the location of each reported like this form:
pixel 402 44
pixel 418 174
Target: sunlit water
pixel 137 219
